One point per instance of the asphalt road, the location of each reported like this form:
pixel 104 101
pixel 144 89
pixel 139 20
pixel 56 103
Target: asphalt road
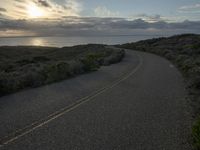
pixel 138 104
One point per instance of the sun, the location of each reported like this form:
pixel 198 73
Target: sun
pixel 34 11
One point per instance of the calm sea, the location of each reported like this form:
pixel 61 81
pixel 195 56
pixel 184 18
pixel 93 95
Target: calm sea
pixel 71 41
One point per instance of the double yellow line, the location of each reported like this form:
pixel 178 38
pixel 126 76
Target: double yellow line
pixel 30 128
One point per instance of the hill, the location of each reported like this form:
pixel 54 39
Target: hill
pixel 24 67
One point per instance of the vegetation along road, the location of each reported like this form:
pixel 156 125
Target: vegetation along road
pixel 136 104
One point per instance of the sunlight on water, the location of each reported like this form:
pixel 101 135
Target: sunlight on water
pixel 37 42
pixel 71 41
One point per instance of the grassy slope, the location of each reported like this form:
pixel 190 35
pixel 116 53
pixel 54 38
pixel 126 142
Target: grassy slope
pixel 26 66
pixel 184 52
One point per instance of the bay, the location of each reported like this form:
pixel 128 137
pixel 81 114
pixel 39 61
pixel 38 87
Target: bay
pixel 71 41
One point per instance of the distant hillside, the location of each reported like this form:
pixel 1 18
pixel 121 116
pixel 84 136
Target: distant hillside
pixel 187 45
pixel 184 52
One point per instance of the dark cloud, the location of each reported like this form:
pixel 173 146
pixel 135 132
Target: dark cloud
pixel 187 25
pixel 67 7
pixel 152 18
pixel 98 26
pixel 135 24
pixel 43 3
pixel 20 1
pixel 20 7
pixel 2 9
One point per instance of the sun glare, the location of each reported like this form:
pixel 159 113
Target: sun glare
pixel 34 11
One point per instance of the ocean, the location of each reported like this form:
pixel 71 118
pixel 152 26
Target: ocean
pixel 71 41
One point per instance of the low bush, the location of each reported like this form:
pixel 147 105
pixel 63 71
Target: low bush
pixel 90 62
pixel 196 134
pixel 24 67
pixel 55 72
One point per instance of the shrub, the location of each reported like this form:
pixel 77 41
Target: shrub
pixel 40 59
pixel 196 134
pixel 76 67
pixel 28 66
pixel 56 72
pixel 90 62
pixel 114 58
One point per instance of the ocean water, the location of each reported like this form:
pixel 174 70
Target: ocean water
pixel 71 41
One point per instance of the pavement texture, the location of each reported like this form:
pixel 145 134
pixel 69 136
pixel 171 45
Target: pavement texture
pixel 138 104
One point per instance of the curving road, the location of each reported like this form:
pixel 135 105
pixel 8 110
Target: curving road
pixel 138 104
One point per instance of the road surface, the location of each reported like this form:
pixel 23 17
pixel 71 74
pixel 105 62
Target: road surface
pixel 138 104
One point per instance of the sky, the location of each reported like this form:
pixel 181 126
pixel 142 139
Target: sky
pixel 92 17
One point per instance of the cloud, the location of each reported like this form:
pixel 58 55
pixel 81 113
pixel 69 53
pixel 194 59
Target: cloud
pixel 74 7
pixel 2 9
pixel 149 18
pixel 43 3
pixel 102 11
pixel 21 1
pixel 76 26
pixel 20 9
pixel 190 8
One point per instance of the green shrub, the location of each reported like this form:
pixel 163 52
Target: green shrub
pixel 9 82
pixel 76 67
pixel 28 66
pixel 116 57
pixel 90 62
pixel 56 72
pixel 32 79
pixel 40 59
pixel 196 134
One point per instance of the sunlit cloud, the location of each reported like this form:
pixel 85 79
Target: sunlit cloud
pixel 70 17
pixel 190 8
pixel 34 11
pixel 102 11
pixel 28 9
pixel 150 18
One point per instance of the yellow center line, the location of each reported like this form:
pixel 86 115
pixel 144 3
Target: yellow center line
pixel 28 129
